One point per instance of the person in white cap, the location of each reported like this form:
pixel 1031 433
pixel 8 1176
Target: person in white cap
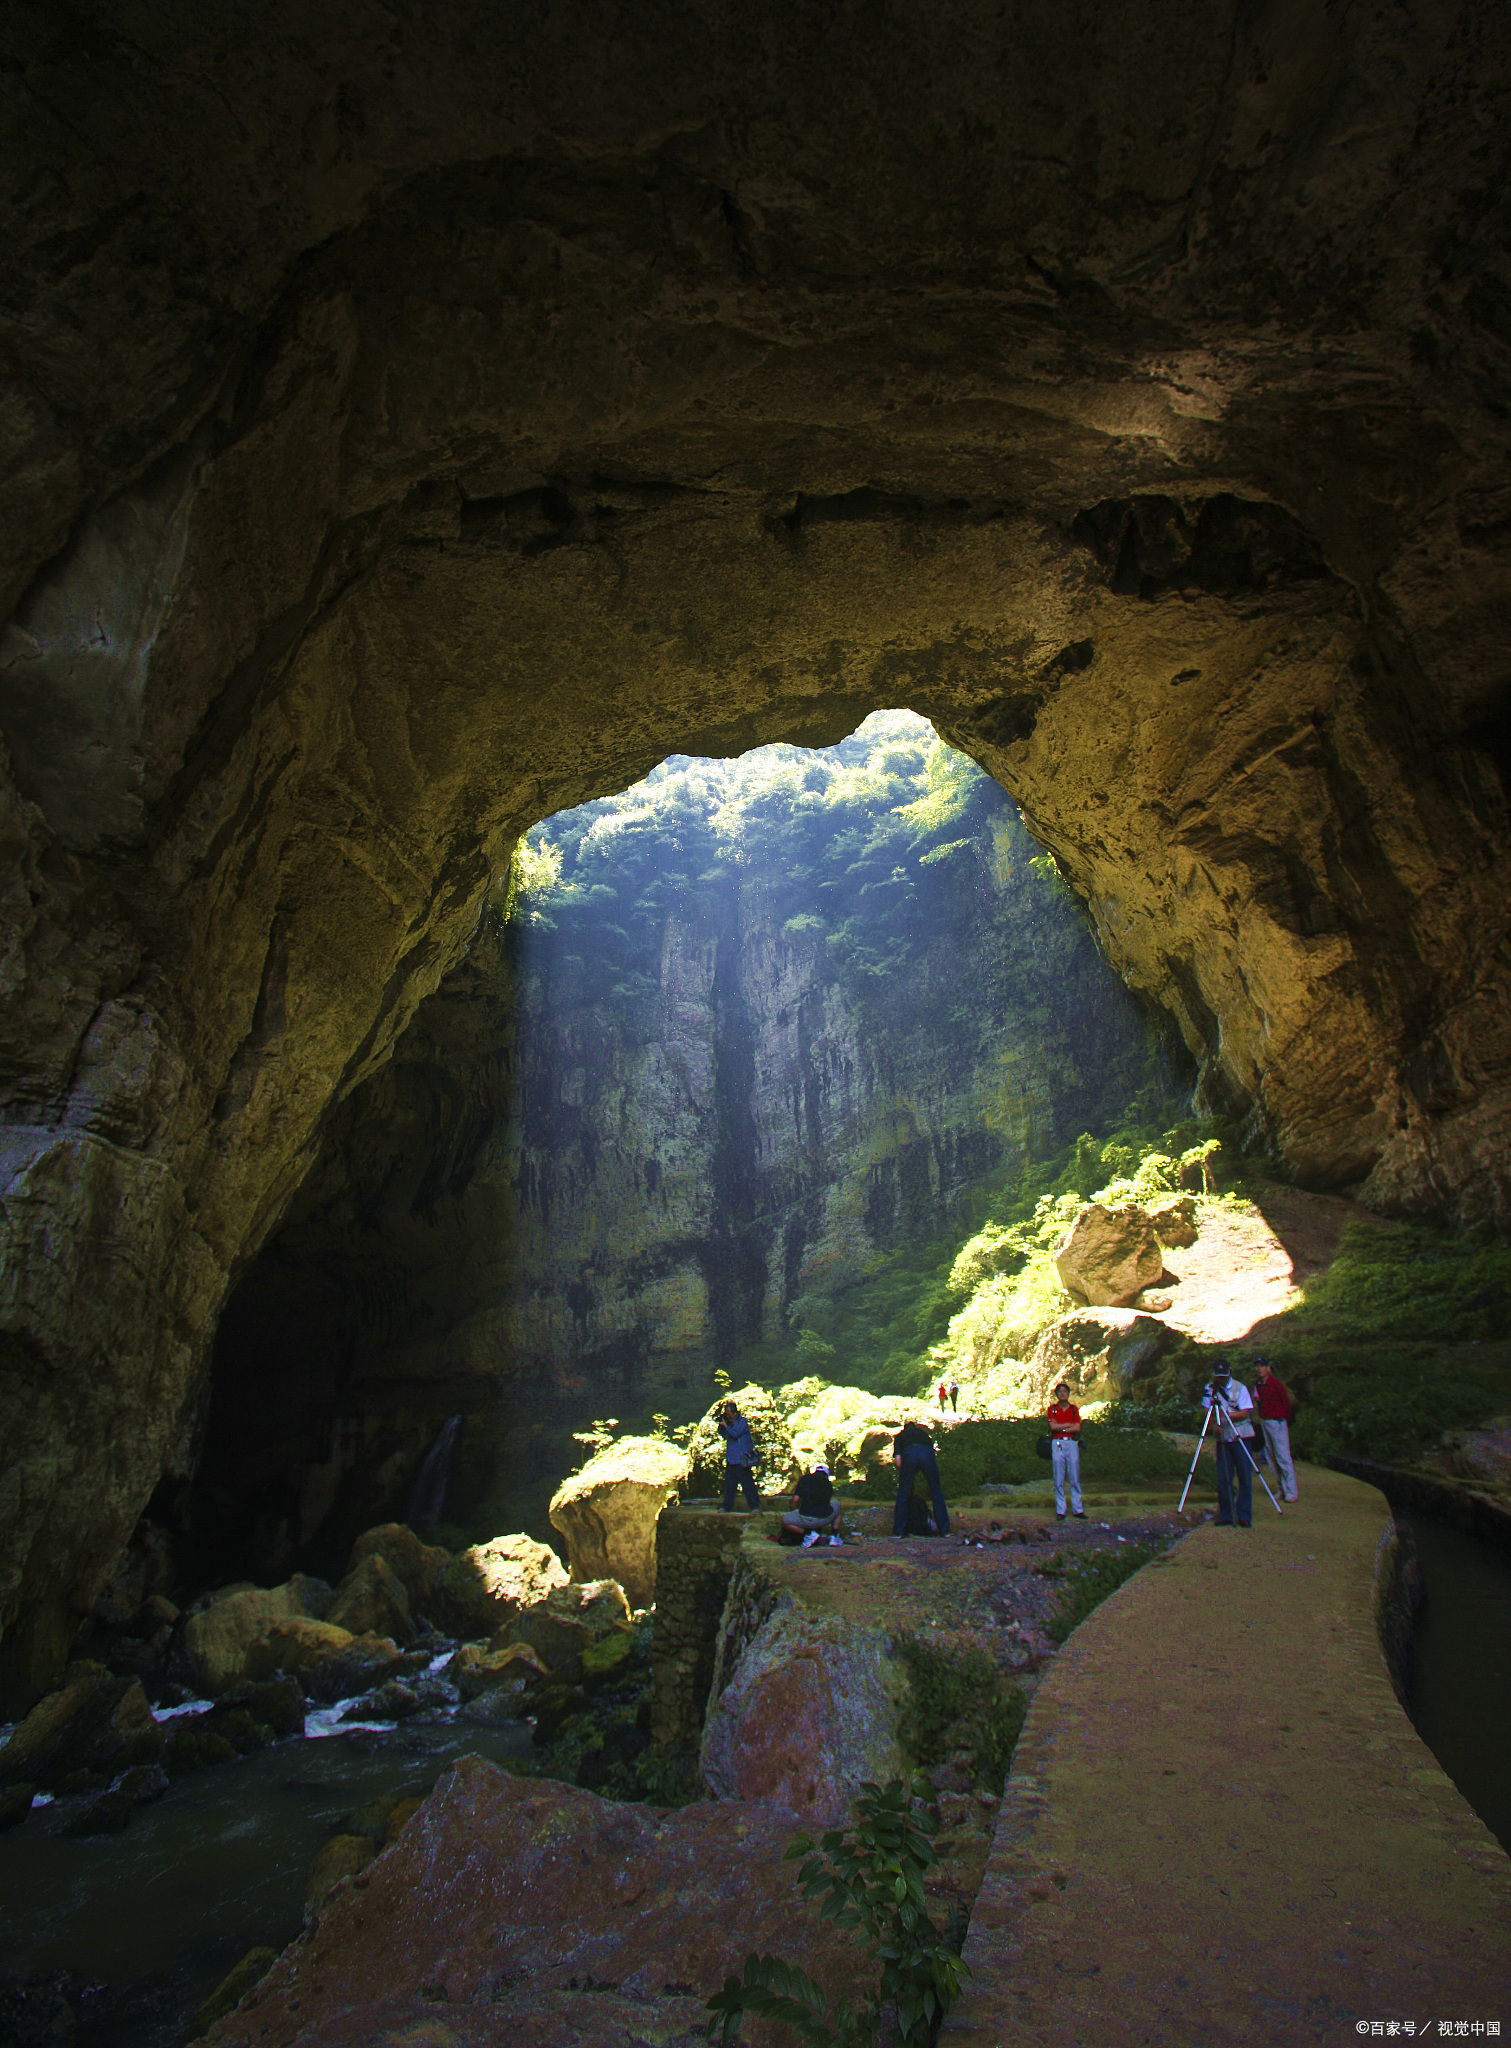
pixel 815 1511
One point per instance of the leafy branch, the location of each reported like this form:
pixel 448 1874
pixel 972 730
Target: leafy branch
pixel 869 1880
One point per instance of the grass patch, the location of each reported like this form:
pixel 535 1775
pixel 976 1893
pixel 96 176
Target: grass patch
pixel 959 1703
pixel 1089 1580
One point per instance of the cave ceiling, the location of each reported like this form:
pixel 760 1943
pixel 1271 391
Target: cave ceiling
pixel 417 422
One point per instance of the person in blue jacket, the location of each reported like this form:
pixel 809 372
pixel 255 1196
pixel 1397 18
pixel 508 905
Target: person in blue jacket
pixel 739 1457
pixel 912 1453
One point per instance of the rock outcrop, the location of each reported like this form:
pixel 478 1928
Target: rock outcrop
pixel 492 1584
pixel 1098 1352
pixel 1109 1254
pixel 547 1908
pixel 402 444
pixel 607 1513
pixel 809 1715
pixel 218 1635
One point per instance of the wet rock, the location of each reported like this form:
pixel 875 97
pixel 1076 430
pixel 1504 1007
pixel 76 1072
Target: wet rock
pixel 477 1667
pixel 245 1733
pixel 218 1636
pixel 1109 1254
pixel 1174 1219
pixel 508 1702
pixel 195 1746
pixel 232 1989
pixel 810 1714
pixel 15 1804
pixel 392 1702
pixel 492 1584
pixel 607 1512
pixel 1100 1353
pixel 371 1600
pixel 506 1896
pixel 89 1722
pixel 415 1563
pixel 110 1814
pixel 278 1703
pixel 343 1856
pixel 142 1784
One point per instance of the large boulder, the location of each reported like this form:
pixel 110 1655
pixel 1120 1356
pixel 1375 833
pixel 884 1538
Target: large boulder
pixel 527 1911
pixel 482 1667
pixel 776 1461
pixel 607 1513
pixel 492 1584
pixel 415 1563
pixel 330 1662
pixel 1109 1254
pixel 809 1716
pixel 93 1722
pixel 219 1633
pixel 371 1600
pixel 1099 1352
pixel 570 1620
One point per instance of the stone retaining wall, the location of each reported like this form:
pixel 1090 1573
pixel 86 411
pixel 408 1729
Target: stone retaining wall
pixel 753 1597
pixel 696 1548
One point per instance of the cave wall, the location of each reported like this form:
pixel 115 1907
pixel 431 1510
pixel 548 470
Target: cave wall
pixel 413 427
pixel 621 1140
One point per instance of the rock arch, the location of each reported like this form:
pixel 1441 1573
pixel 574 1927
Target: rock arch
pixel 407 438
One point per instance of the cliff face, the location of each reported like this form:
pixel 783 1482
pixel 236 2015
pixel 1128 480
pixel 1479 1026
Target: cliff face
pixel 411 434
pixel 664 1104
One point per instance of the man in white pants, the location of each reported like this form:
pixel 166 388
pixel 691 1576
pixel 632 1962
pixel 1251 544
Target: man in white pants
pixel 1272 1399
pixel 1064 1449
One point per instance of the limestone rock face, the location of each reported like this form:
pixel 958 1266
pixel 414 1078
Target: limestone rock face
pixel 1108 1255
pixel 511 1894
pixel 492 1584
pixel 1099 1352
pixel 373 579
pixel 809 1715
pixel 607 1512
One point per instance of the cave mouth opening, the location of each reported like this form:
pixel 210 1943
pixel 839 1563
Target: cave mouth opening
pixel 740 1056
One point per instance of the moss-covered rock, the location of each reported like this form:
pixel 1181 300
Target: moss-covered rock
pixel 607 1512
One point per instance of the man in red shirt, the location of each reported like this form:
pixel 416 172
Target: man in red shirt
pixel 1065 1451
pixel 1272 1399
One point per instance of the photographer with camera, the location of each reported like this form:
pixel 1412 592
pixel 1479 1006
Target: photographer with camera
pixel 1234 1415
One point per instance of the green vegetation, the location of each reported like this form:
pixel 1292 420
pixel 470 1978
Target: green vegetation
pixel 960 1704
pixel 868 1879
pixel 1090 1579
pixel 975 1454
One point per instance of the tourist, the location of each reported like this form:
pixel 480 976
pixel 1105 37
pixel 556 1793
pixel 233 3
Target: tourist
pixel 1065 1451
pixel 815 1511
pixel 1273 1400
pixel 1235 1446
pixel 955 1396
pixel 739 1458
pixel 944 1395
pixel 912 1453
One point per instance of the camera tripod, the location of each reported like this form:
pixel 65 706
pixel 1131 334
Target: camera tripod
pixel 1220 1408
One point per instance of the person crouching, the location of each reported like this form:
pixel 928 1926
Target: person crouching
pixel 1065 1450
pixel 814 1515
pixel 912 1453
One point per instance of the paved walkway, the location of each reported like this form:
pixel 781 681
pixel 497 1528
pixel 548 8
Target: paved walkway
pixel 1221 1827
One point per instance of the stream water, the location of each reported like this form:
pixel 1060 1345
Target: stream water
pixel 155 1917
pixel 1459 1695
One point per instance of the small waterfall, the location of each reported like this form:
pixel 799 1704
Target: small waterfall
pixel 427 1494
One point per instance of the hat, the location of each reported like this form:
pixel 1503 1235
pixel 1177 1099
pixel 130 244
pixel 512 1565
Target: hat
pixel 822 1468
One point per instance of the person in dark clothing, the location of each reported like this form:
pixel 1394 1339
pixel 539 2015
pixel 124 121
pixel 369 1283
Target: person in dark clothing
pixel 739 1459
pixel 815 1511
pixel 912 1453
